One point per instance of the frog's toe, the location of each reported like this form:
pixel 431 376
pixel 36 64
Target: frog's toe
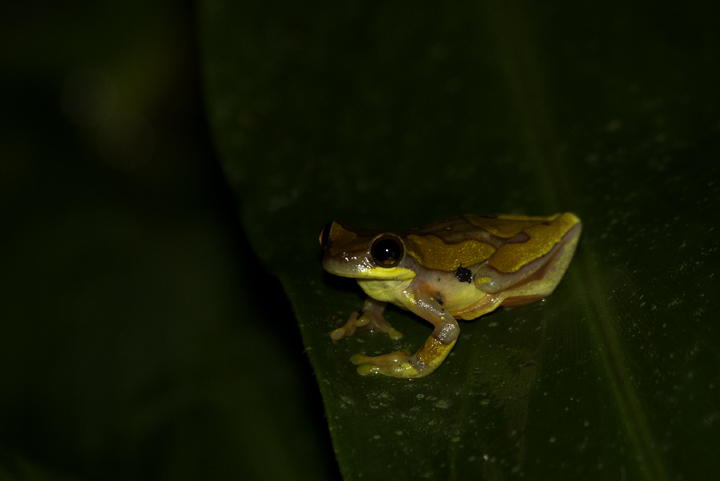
pixel 384 360
pixel 395 364
pixel 370 319
pixel 349 328
pixel 337 334
pixel 396 370
pixel 403 364
pixel 393 333
pixel 378 323
pixel 402 370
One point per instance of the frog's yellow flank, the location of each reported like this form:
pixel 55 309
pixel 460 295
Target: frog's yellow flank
pixel 458 268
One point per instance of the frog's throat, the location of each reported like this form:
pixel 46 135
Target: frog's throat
pixel 385 290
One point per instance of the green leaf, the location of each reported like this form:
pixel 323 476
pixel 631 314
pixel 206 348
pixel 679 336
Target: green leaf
pixel 395 115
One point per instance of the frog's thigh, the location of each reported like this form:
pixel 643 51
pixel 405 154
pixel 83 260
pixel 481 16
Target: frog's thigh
pixel 426 360
pixel 547 277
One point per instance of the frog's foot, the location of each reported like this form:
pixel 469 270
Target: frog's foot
pixel 370 317
pixel 401 364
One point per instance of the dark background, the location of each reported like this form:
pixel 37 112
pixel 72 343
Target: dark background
pixel 132 311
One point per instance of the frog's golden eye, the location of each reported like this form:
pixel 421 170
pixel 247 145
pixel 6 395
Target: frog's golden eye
pixel 387 251
pixel 325 234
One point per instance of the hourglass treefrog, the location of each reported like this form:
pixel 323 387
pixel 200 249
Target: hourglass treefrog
pixel 458 268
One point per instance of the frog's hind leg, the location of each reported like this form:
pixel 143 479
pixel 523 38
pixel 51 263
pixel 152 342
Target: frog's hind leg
pixel 401 364
pixel 426 360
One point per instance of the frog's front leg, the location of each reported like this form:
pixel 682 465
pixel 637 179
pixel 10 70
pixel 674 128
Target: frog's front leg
pixel 369 317
pixel 430 356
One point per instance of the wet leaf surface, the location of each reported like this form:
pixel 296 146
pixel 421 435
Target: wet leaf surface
pixel 396 115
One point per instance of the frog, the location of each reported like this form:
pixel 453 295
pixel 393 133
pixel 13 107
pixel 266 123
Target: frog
pixel 455 269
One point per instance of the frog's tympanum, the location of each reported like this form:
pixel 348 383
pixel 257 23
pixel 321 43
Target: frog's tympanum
pixel 458 268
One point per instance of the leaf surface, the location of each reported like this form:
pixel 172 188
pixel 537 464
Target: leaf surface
pixel 390 115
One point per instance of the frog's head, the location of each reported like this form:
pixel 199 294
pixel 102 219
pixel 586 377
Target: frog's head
pixel 364 254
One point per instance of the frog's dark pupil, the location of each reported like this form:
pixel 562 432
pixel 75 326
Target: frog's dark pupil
pixel 387 252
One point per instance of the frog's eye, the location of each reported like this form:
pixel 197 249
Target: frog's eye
pixel 325 234
pixel 387 251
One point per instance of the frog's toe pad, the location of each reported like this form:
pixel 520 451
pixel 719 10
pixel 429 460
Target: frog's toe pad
pixel 337 334
pixel 394 334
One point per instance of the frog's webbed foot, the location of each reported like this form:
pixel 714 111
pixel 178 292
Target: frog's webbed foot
pixel 401 364
pixel 370 317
